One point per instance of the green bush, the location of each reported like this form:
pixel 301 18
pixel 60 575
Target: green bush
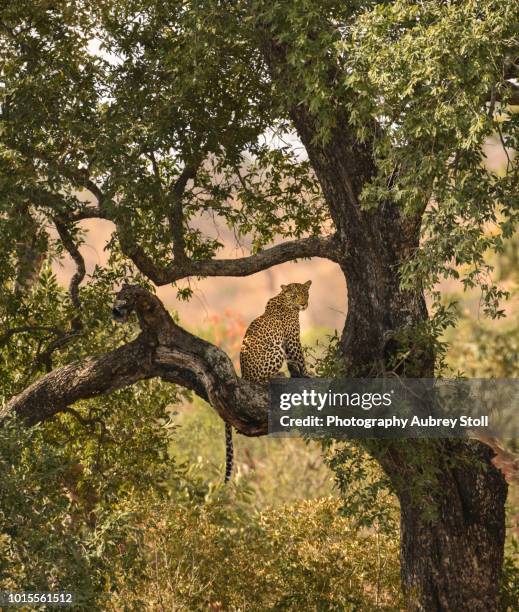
pixel 73 495
pixel 53 536
pixel 303 556
pixel 509 587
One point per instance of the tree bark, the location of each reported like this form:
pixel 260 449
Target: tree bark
pixel 163 349
pixel 451 561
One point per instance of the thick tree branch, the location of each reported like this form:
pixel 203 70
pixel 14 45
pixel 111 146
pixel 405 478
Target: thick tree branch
pixel 83 379
pixel 164 350
pixel 183 267
pixel 88 212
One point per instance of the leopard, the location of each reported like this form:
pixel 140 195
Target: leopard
pixel 272 339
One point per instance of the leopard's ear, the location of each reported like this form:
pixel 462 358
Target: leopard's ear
pixel 308 283
pixel 283 287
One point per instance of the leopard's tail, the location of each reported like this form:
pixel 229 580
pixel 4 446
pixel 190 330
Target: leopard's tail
pixel 229 452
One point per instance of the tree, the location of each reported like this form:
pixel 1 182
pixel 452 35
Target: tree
pixel 159 113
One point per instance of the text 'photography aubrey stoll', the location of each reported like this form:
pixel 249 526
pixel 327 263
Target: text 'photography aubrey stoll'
pixel 394 408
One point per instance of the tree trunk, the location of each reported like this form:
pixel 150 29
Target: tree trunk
pixel 453 498
pixel 453 501
pixel 452 540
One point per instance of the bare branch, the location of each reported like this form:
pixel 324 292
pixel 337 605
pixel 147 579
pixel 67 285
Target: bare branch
pixel 176 218
pixel 79 275
pixel 325 247
pixel 314 246
pixel 182 267
pixel 88 212
pixel 45 357
pixel 510 94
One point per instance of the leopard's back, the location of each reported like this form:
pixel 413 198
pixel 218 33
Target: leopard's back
pixel 262 354
pixel 274 337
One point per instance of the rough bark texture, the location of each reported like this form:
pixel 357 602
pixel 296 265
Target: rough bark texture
pixel 454 563
pixel 452 534
pixel 451 563
pixel 81 380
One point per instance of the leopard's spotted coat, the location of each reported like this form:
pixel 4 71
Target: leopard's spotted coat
pixel 270 340
pixel 274 337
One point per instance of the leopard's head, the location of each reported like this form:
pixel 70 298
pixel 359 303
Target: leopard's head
pixel 295 295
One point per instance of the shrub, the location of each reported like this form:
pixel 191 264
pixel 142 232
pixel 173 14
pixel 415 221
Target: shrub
pixel 303 556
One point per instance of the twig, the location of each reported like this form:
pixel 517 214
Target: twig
pixel 79 275
pixel 25 329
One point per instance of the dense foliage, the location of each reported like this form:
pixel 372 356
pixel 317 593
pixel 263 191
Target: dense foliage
pixel 129 96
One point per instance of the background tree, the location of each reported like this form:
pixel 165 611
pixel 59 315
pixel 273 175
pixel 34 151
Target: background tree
pixel 152 115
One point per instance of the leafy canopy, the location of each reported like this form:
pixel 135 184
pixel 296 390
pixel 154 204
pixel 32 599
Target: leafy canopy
pixel 128 95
